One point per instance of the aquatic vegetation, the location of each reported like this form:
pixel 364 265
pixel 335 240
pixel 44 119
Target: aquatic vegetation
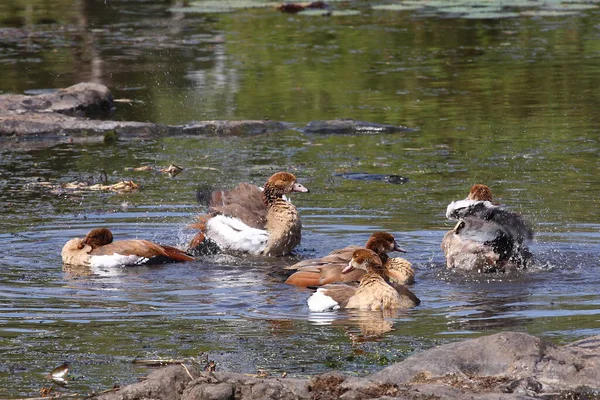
pixel 471 9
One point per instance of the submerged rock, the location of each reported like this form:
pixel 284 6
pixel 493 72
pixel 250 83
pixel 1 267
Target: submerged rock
pixel 350 126
pixel 363 176
pixel 57 116
pixel 507 365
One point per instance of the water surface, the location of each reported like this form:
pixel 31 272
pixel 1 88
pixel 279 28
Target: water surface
pixel 512 103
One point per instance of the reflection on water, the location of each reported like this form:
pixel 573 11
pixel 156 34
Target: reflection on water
pixel 509 103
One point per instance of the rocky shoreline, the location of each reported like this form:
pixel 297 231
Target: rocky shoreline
pixel 61 116
pixel 508 365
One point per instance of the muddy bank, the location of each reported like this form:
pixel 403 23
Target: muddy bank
pixel 63 116
pixel 507 365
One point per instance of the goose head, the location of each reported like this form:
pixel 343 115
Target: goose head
pixel 366 260
pixel 480 192
pixel 280 184
pixel 98 237
pixel 383 243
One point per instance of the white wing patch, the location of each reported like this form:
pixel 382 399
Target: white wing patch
pixel 462 204
pixel 232 234
pixel 116 260
pixel 319 302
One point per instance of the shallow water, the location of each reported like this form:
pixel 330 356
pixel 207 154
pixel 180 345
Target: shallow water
pixel 512 103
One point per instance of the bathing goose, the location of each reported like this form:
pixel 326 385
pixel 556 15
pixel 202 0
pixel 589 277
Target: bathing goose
pixel 97 249
pixel 328 269
pixel 252 220
pixel 373 293
pixel 487 237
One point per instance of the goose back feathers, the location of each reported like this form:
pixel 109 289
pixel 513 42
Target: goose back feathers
pixel 328 269
pixel 373 293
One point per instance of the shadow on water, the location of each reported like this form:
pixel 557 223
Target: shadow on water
pixel 507 102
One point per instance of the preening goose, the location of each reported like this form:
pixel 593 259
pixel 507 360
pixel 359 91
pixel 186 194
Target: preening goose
pixel 487 237
pixel 328 269
pixel 97 249
pixel 252 220
pixel 373 293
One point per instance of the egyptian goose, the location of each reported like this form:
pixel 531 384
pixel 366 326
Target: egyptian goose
pixel 373 293
pixel 97 249
pixel 328 269
pixel 252 220
pixel 487 237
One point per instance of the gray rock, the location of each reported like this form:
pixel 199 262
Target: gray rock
pixel 509 355
pixel 206 391
pixel 54 116
pixel 83 96
pixel 164 384
pixel 56 113
pixel 504 366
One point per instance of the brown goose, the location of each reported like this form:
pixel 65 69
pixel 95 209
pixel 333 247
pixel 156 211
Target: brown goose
pixel 328 269
pixel 253 220
pixel 487 237
pixel 97 249
pixel 373 292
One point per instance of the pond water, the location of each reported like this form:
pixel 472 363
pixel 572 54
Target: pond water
pixel 510 102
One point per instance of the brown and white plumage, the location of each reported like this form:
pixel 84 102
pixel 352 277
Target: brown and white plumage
pixel 373 293
pixel 328 269
pixel 97 249
pixel 487 237
pixel 248 219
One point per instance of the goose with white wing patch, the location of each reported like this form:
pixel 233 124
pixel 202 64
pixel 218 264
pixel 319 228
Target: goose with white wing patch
pixel 252 220
pixel 487 237
pixel 97 249
pixel 373 293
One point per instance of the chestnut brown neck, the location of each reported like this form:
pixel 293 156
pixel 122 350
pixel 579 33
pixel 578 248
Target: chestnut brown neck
pixel 374 267
pixel 271 194
pixel 380 247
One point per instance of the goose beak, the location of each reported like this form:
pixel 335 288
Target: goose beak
pixel 398 248
pixel 458 226
pixel 348 268
pixel 299 188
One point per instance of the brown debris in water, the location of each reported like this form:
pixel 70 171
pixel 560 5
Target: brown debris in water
pixel 158 362
pixel 81 187
pixel 173 170
pixel 210 366
pixel 59 374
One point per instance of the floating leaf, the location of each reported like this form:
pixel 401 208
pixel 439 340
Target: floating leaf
pixel 519 3
pixel 337 13
pixel 225 6
pixel 397 7
pixel 200 10
pixel 548 13
pixel 235 4
pixel 570 7
pixel 491 15
pixel 344 13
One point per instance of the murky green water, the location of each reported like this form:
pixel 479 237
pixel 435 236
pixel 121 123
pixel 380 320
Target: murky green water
pixel 512 102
